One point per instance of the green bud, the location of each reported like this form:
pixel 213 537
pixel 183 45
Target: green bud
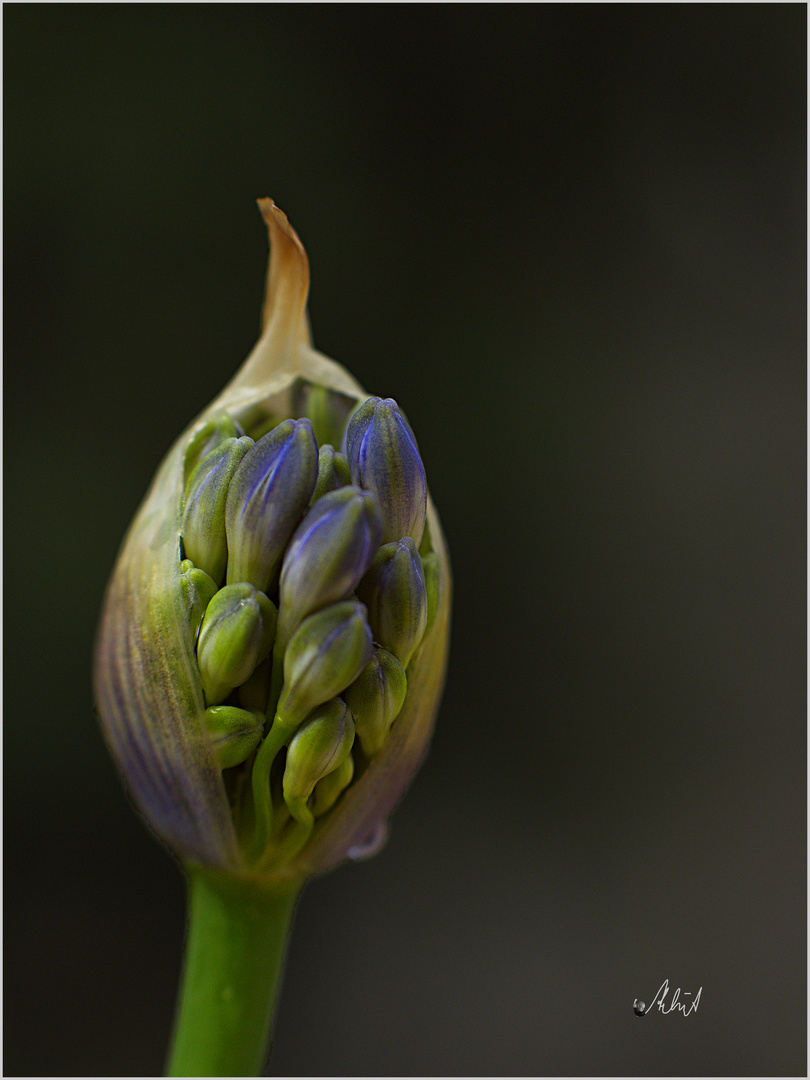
pixel 325 654
pixel 319 747
pixel 198 591
pixel 393 590
pixel 237 633
pixel 329 788
pixel 333 472
pixel 208 438
pixel 328 410
pixel 431 570
pixel 235 733
pixel 204 537
pixel 375 699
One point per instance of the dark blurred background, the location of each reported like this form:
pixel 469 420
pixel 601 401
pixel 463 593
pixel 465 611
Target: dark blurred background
pixel 570 240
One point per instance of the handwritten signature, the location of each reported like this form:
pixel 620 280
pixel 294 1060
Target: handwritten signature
pixel 675 1005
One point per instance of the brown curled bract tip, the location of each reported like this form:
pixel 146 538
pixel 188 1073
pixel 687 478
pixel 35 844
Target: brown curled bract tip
pixel 288 268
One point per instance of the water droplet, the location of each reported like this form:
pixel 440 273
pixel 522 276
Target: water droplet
pixel 639 1008
pixel 372 845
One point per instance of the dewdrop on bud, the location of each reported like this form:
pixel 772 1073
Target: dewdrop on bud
pixel 237 633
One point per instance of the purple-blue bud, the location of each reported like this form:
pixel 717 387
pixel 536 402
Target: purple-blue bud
pixel 328 555
pixel 267 496
pixel 393 590
pixel 383 458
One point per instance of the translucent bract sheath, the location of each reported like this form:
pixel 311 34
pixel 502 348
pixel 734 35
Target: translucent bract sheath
pixel 147 678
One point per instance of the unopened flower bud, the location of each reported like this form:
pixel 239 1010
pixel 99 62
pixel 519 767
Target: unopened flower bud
pixel 328 410
pixel 328 555
pixel 198 592
pixel 329 788
pixel 204 538
pixel 393 590
pixel 333 472
pixel 266 498
pixel 319 747
pixel 376 698
pixel 237 633
pixel 326 653
pixel 383 458
pixel 235 733
pixel 208 438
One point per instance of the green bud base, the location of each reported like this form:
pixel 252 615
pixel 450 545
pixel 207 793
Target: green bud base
pixel 235 947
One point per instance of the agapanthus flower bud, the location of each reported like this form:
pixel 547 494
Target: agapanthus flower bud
pixel 328 555
pixel 237 633
pixel 235 733
pixel 208 438
pixel 383 458
pixel 266 498
pixel 333 472
pixel 329 789
pixel 328 410
pixel 393 590
pixel 321 745
pixel 148 678
pixel 376 698
pixel 204 538
pixel 325 654
pixel 198 592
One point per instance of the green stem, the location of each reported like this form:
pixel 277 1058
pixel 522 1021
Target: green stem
pixel 237 935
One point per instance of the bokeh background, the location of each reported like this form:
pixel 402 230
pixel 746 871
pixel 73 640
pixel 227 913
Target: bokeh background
pixel 570 240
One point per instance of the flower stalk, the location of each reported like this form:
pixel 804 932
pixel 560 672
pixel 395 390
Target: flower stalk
pixel 237 937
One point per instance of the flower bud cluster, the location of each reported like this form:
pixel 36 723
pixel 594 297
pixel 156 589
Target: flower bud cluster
pixel 307 597
pixel 274 635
